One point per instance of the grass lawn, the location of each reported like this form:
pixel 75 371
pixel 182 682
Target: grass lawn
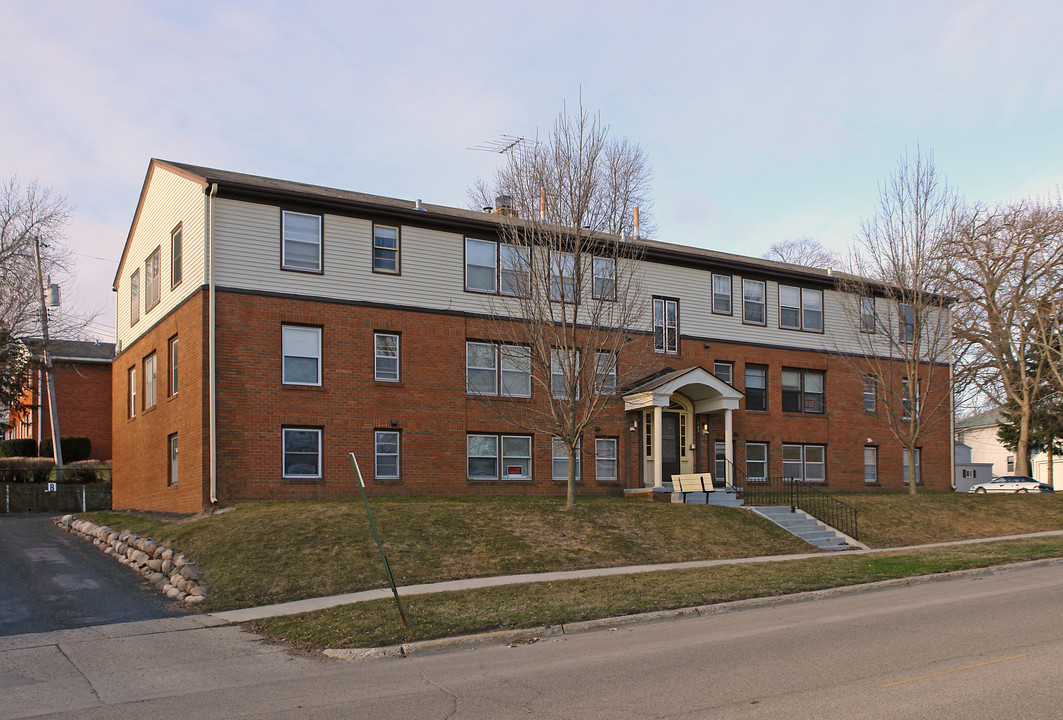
pixel 267 552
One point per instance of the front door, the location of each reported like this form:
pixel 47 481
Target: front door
pixel 670 445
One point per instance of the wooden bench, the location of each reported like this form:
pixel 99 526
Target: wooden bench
pixel 697 482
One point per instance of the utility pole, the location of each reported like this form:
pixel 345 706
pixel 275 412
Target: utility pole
pixel 57 450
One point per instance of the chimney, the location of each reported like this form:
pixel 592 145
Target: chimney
pixel 504 206
pixel 637 236
pixel 542 204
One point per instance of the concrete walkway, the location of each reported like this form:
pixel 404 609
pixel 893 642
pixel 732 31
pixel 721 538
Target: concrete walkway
pixel 322 603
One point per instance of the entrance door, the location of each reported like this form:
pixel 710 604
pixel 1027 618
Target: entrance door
pixel 670 446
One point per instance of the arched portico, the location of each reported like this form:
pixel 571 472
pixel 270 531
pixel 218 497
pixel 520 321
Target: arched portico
pixel 684 392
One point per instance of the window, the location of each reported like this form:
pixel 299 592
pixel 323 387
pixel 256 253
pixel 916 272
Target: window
pixel 171 468
pixel 302 452
pixel 489 366
pixel 802 390
pixel 907 323
pixel 867 315
pixel 756 461
pixel 756 387
pixel 150 377
pixel 720 450
pixel 171 370
pixel 721 294
pixel 516 269
pixel 134 297
pixel 1011 463
pixel 483 459
pixel 386 444
pixel 385 249
pixel 302 355
pixel 562 276
pixel 724 371
pixel 870 393
pixel 906 398
pixel 753 302
pixel 605 372
pixel 151 281
pixel 132 392
pixel 176 257
pixel 665 325
pixel 386 357
pixel 604 285
pixel 301 242
pixel 918 466
pixel 800 308
pixel 605 459
pixel 560 459
pixel 564 373
pixel 870 464
pixel 804 462
pixel 481 265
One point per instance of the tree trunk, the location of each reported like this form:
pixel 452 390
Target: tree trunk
pixel 1051 462
pixel 571 500
pixel 1022 451
pixel 912 474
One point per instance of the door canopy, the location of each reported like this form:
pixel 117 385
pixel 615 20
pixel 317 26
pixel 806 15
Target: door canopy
pixel 707 392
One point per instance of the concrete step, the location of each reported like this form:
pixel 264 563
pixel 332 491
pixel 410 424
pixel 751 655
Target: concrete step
pixel 806 527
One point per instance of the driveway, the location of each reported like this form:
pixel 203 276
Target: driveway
pixel 51 580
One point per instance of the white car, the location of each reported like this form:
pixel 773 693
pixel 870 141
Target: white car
pixel 1011 484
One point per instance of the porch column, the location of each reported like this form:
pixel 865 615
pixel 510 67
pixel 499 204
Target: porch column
pixel 658 418
pixel 729 450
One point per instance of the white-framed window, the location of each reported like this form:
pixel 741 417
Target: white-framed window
pixel 386 357
pixel 756 461
pixel 562 276
pixel 605 372
pixel 301 349
pixel 387 444
pixel 720 450
pixel 811 310
pixel 605 454
pixel 804 462
pixel 789 307
pixel 386 249
pixel 753 302
pixel 868 319
pixel 515 269
pixel 802 390
pixel 564 372
pixel 870 393
pixel 724 371
pixel 152 288
pixel 918 465
pixel 481 265
pixel 301 452
pixel 756 387
pixel 484 463
pixel 906 398
pixel 134 297
pixel 171 368
pixel 176 256
pixel 870 464
pixel 559 461
pixel 171 466
pixel 721 294
pixel 492 369
pixel 150 381
pixel 300 241
pixel 906 317
pixel 132 376
pixel 665 325
pixel 800 308
pixel 1011 463
pixel 604 282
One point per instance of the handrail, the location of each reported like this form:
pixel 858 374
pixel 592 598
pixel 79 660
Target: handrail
pixel 799 494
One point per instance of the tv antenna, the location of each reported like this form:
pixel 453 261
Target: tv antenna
pixel 503 144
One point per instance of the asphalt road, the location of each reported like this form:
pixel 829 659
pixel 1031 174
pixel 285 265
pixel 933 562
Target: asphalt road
pixel 976 648
pixel 52 580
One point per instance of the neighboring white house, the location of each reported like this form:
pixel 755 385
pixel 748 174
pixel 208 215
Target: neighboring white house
pixel 979 433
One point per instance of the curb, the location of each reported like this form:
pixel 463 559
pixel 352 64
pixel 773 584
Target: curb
pixel 528 636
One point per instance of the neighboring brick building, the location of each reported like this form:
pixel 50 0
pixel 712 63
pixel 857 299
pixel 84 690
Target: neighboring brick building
pixel 82 395
pixel 325 322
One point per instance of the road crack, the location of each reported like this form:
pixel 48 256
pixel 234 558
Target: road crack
pixel 80 672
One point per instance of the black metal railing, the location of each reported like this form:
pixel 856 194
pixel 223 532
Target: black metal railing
pixel 798 494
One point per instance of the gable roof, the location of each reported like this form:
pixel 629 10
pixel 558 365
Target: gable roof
pixel 989 418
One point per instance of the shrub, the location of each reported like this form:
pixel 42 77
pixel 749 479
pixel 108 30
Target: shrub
pixel 87 471
pixel 74 448
pixel 18 448
pixel 26 470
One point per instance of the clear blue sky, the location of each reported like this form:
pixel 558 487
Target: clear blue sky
pixel 763 121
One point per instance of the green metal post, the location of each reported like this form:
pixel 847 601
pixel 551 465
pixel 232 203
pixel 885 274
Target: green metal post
pixel 376 536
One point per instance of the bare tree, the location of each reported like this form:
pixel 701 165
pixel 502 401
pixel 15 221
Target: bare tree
pixel 897 312
pixel 570 301
pixel 1004 270
pixel 804 251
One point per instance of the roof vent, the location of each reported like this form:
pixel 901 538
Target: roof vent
pixel 418 206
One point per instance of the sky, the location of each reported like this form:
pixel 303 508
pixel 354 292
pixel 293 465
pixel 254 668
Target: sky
pixel 763 121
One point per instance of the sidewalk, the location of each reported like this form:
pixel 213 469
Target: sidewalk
pixel 322 603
